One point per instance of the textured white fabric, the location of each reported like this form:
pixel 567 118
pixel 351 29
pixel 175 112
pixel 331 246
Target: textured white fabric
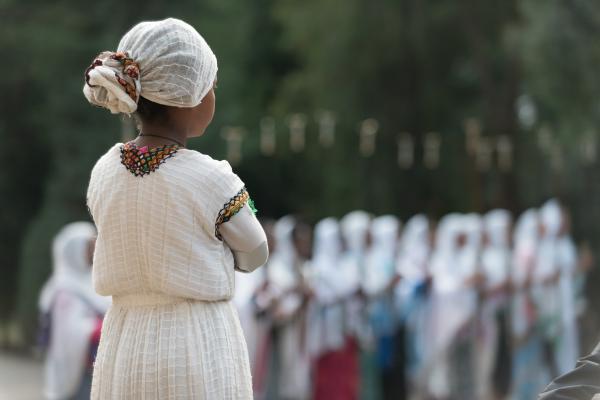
pixel 177 68
pixel 246 238
pixel 172 332
pixel 103 88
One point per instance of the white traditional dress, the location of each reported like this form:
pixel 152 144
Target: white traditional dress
pixel 172 331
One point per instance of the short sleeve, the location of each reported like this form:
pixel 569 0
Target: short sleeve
pixel 228 195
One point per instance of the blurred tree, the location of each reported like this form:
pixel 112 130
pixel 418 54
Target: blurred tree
pixel 414 66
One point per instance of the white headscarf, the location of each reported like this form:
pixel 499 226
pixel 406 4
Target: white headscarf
pixel 551 220
pixel 381 255
pixel 413 259
pixel 327 250
pixel 71 269
pixel 165 61
pixel 443 263
pixel 354 227
pixel 495 257
pixel 525 246
pixel 75 307
pixel 472 226
pixel 281 274
pixel 453 304
pixel 414 249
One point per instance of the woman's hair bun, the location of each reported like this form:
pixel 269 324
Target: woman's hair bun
pixel 112 81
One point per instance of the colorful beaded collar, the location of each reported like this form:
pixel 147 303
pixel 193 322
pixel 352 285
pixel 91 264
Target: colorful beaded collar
pixel 143 160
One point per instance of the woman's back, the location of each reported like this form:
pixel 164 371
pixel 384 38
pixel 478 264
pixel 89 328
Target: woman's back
pixel 171 331
pixel 156 232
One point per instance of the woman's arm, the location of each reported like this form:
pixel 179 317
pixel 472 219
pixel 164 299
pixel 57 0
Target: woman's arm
pixel 247 240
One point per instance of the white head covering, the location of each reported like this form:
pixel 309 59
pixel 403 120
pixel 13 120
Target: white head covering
pixel 551 219
pixel 495 261
pixel 546 294
pixel 354 227
pixel 327 245
pixel 380 257
pixel 525 245
pixel 551 216
pixel 413 257
pixel 281 273
pixel 452 303
pixel 327 249
pixel 165 61
pixel 497 223
pixel 414 248
pixel 282 231
pixel 71 269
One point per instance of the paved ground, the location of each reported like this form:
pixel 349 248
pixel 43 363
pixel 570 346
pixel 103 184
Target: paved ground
pixel 20 378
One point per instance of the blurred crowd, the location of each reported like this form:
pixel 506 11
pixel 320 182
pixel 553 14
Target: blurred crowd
pixel 468 307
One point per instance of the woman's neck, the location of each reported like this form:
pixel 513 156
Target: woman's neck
pixel 156 135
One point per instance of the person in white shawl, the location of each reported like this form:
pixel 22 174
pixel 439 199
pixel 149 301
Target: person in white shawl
pixel 528 365
pixel 546 289
pixel 326 332
pixel 355 233
pixel 454 269
pixel 412 296
pixel 495 269
pixel 334 354
pixel 463 352
pixel 286 277
pixel 354 227
pixel 568 264
pixel 381 278
pixel 444 319
pixel 75 311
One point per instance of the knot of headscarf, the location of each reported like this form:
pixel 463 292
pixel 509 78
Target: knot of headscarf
pixel 113 81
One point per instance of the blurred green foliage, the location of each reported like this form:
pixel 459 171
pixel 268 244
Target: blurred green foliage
pixel 415 66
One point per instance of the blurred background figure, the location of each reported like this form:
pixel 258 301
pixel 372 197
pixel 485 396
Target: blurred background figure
pixel 72 314
pixel 334 352
pixel 494 341
pixel 355 232
pixel 412 298
pixel 380 280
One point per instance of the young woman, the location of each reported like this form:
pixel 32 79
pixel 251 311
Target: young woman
pixel 172 225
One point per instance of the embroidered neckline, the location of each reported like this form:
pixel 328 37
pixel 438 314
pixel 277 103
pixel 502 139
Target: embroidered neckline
pixel 232 207
pixel 143 160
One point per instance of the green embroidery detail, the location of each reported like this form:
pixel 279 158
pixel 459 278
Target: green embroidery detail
pixel 252 206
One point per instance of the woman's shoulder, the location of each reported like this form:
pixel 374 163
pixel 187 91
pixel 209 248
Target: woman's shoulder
pixel 205 159
pixel 207 165
pixel 207 172
pixel 104 159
